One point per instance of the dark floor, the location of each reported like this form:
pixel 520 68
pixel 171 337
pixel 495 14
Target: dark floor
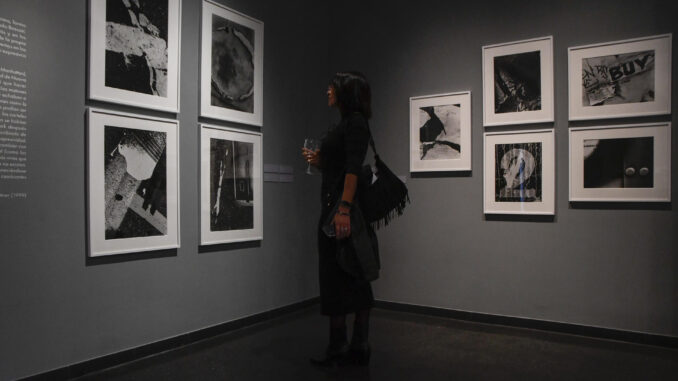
pixel 404 347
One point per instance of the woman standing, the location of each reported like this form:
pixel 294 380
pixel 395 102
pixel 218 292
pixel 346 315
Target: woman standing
pixel 340 158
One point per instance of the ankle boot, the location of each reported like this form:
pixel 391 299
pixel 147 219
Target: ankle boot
pixel 337 349
pixel 359 353
pixel 335 354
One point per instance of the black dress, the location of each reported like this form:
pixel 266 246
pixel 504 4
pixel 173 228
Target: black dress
pixel 342 151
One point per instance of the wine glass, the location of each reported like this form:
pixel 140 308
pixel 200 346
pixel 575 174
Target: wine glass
pixel 313 145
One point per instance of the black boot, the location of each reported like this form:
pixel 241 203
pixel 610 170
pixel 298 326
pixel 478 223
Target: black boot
pixel 334 355
pixel 359 354
pixel 337 350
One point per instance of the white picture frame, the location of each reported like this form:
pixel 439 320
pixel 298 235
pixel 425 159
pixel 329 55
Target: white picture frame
pixel 123 50
pixel 128 189
pixel 619 79
pixel 512 94
pixel 622 163
pixel 526 158
pixel 236 95
pixel 443 121
pixel 231 193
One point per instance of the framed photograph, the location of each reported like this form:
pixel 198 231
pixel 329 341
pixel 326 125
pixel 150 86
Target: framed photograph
pixel 133 167
pixel 231 201
pixel 620 79
pixel 440 132
pixel 519 172
pixel 621 163
pixel 134 52
pixel 518 82
pixel 231 65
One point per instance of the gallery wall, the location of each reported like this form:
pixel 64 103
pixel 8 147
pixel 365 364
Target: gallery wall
pixel 595 264
pixel 58 307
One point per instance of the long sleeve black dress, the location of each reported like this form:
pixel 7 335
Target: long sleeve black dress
pixel 342 151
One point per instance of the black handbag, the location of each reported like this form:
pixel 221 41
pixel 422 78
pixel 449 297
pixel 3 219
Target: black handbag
pixel 381 194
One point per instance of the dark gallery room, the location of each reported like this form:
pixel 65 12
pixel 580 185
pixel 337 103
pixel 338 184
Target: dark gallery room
pixel 338 190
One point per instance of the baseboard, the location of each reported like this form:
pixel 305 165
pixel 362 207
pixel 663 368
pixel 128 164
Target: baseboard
pixel 114 359
pixel 543 325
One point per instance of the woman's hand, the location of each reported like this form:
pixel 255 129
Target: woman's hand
pixel 342 224
pixel 312 157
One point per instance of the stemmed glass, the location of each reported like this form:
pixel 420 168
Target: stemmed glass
pixel 313 145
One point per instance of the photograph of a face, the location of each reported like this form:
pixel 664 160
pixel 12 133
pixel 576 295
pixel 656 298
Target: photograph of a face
pixel 618 79
pixel 619 163
pixel 136 45
pixel 517 82
pixel 135 183
pixel 440 132
pixel 232 65
pixel 133 192
pixel 231 188
pixel 518 172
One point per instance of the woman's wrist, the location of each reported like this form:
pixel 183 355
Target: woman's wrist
pixel 345 203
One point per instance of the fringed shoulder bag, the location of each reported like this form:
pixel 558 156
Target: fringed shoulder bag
pixel 381 194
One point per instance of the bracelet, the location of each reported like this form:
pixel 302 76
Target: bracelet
pixel 345 203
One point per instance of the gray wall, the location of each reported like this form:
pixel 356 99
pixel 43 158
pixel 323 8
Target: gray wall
pixel 57 307
pixel 602 266
pixel 597 265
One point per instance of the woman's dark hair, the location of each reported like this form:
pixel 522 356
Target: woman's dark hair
pixel 353 93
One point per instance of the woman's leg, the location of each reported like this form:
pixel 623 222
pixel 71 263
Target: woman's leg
pixel 338 347
pixel 360 348
pixel 337 331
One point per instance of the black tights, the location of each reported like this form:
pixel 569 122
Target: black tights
pixel 360 328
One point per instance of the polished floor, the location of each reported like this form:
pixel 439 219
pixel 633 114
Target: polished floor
pixel 405 347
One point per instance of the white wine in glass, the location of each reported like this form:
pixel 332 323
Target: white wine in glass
pixel 313 145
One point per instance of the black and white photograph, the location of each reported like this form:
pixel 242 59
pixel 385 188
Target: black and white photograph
pixel 136 45
pixel 231 173
pixel 620 163
pixel 440 132
pixel 518 82
pixel 620 79
pixel 133 188
pixel 134 50
pixel 616 79
pixel 135 182
pixel 231 65
pixel 231 192
pixel 519 173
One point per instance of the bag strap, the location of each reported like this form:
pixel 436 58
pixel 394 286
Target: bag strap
pixel 371 141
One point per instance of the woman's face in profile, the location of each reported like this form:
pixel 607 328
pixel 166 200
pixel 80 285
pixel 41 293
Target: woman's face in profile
pixel 331 96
